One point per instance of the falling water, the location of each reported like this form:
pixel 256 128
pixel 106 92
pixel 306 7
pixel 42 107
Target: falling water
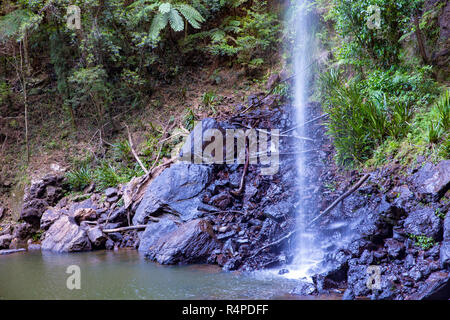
pixel 308 252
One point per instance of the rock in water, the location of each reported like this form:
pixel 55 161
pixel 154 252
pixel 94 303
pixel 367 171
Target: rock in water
pixel 175 190
pixel 192 242
pixel 155 231
pixel 66 236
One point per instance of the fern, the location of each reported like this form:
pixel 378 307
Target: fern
pixel 173 15
pixel 176 21
pixel 191 15
pixel 12 24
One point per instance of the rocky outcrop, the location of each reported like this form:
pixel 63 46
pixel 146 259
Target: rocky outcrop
pixel 177 191
pixel 40 195
pixel 431 182
pixel 445 248
pixel 192 242
pixel 424 222
pixel 66 236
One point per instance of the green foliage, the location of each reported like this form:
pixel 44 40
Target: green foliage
pixel 173 15
pixel 362 43
pixel 79 179
pixel 424 242
pixel 250 39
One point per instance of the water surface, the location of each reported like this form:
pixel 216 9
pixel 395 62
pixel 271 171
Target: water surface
pixel 125 274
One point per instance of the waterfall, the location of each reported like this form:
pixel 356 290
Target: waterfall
pixel 307 253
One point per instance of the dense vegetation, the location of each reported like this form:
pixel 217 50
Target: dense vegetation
pixel 88 81
pixel 381 89
pixel 61 89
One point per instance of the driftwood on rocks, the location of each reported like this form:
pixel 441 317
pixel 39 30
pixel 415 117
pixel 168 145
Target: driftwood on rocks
pixel 334 204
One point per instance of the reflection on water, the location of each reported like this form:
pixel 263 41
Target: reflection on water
pixel 125 274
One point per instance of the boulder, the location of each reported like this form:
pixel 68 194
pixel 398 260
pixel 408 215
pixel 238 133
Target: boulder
pixel 49 217
pixel 395 248
pixel 431 182
pixel 304 289
pixel 176 190
pixel 424 222
pixel 436 287
pixel 279 211
pixel 97 237
pixel 84 215
pixel 445 247
pixel 192 242
pixel 155 231
pixel 32 211
pixel 5 241
pixel 66 236
pixel 110 192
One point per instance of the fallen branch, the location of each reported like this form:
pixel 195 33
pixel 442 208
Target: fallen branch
pixel 241 187
pixel 334 204
pixel 138 227
pixel 345 195
pixel 307 122
pixel 134 152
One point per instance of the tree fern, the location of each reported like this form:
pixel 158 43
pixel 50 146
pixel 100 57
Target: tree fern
pixel 12 24
pixel 173 15
pixel 176 21
pixel 191 15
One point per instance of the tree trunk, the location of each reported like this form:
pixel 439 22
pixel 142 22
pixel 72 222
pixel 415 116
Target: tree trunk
pixel 420 41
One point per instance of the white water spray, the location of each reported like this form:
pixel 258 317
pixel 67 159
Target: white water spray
pixel 307 252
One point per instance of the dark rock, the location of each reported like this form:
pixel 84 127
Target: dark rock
pixel 436 287
pixel 66 236
pixel 49 217
pixel 109 244
pixel 156 231
pixel 96 237
pixel 112 199
pixel 176 189
pixel 395 248
pixel 33 210
pixel 2 212
pixel 304 289
pixel 279 211
pixel 110 192
pixel 192 242
pixel 222 200
pixel 423 221
pixel 431 182
pixel 5 241
pixel 115 236
pixel 85 215
pixel 119 215
pixel 23 231
pixel 283 271
pixel 445 247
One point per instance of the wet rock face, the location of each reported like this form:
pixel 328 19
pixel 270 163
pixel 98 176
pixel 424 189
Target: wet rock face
pixel 424 221
pixel 445 248
pixel 192 242
pixel 66 236
pixel 431 182
pixel 175 190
